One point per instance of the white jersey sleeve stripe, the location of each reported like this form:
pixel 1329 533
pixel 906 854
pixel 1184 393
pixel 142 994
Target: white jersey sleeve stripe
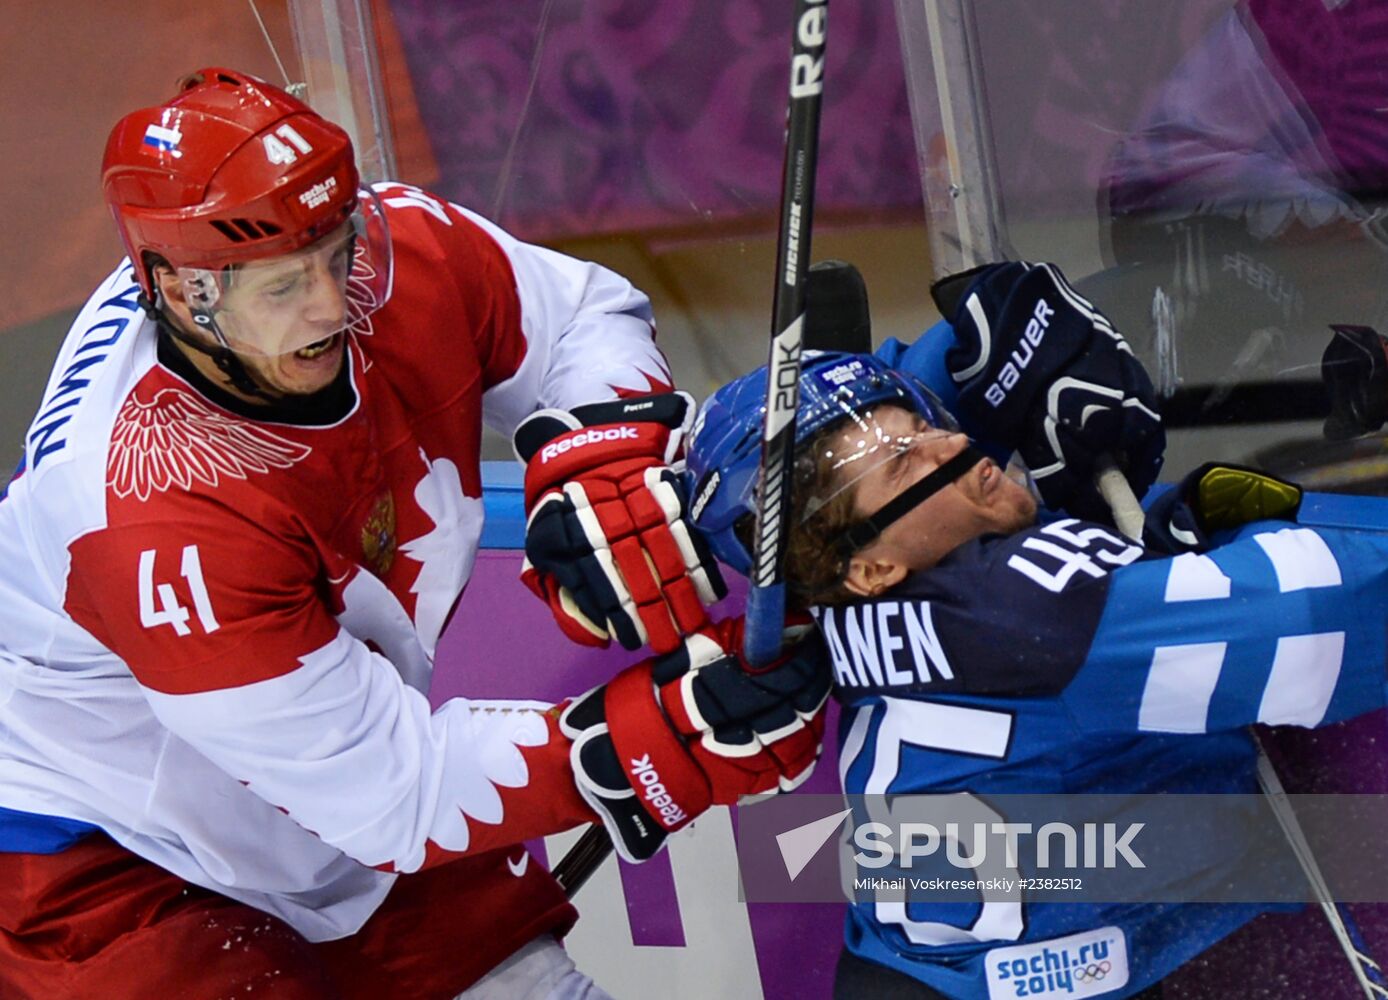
pixel 1300 558
pixel 1195 578
pixel 1179 687
pixel 1304 673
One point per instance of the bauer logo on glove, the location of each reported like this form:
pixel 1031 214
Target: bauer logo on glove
pixel 1043 372
pixel 1012 369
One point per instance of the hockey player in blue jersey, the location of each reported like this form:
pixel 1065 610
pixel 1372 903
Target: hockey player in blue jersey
pixel 978 651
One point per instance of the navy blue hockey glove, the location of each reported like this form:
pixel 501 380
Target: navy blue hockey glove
pixel 607 541
pixel 665 739
pixel 1216 497
pixel 1355 370
pixel 1042 372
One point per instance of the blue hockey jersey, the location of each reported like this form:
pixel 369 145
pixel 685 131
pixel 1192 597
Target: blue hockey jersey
pixel 1065 659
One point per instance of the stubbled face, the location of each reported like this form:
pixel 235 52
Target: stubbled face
pixel 279 305
pixel 982 501
pixel 284 317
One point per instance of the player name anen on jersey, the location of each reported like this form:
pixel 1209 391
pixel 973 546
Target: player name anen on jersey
pixel 884 644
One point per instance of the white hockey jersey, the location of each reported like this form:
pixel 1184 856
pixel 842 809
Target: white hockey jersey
pixel 216 633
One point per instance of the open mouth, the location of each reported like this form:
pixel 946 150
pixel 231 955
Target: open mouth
pixel 317 348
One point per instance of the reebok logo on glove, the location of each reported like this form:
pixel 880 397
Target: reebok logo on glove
pixel 1031 339
pixel 644 771
pixel 593 436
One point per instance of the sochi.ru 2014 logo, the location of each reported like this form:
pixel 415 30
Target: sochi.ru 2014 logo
pixel 1081 965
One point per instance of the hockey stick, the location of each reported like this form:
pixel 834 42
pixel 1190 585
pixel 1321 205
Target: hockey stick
pixel 580 861
pixel 1366 970
pixel 1128 515
pixel 766 601
pixel 837 318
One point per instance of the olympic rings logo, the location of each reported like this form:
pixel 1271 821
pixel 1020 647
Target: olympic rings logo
pixel 1094 971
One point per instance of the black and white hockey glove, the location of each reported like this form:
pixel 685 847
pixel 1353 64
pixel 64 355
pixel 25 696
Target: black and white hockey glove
pixel 665 739
pixel 1043 372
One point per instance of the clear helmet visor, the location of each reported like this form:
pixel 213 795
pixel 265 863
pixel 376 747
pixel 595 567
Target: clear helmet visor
pixel 887 437
pixel 852 420
pixel 297 301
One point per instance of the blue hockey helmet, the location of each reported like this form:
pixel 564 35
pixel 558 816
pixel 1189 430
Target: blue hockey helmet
pixel 725 446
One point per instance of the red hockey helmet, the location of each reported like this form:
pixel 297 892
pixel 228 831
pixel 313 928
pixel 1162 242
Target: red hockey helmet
pixel 233 170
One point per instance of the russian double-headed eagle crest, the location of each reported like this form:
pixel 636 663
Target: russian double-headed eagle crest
pixel 378 535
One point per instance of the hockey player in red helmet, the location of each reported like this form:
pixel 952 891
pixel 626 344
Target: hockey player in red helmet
pixel 240 209
pixel 249 502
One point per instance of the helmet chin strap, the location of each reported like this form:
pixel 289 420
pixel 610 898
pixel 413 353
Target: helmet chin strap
pixel 226 360
pixel 865 532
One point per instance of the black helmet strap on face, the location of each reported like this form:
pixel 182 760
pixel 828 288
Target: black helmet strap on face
pixel 222 356
pixel 865 532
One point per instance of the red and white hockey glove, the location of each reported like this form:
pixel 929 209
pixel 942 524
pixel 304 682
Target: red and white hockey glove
pixel 607 540
pixel 665 739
